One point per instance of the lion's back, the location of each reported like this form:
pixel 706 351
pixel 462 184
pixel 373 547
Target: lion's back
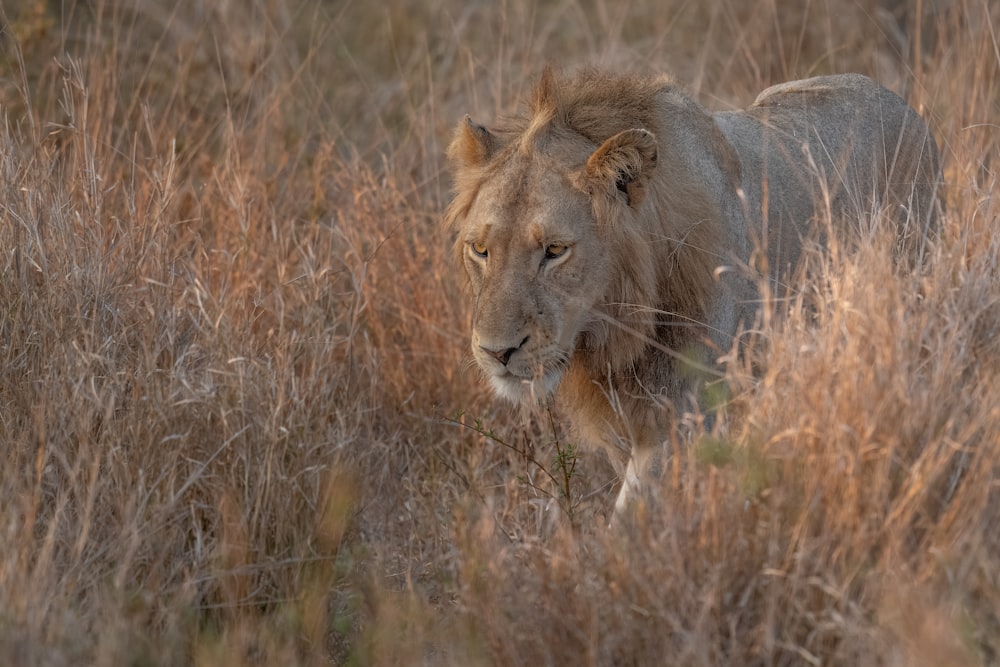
pixel 840 138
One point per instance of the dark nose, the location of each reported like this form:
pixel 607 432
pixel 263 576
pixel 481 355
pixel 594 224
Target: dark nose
pixel 503 356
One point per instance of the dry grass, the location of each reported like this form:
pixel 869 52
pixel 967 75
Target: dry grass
pixel 231 345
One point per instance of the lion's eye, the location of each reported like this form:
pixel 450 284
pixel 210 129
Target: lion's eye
pixel 479 249
pixel 555 250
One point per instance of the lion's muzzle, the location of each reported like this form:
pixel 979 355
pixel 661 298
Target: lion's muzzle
pixel 518 372
pixel 503 355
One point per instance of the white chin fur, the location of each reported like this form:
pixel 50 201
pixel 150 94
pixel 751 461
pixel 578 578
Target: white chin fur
pixel 518 390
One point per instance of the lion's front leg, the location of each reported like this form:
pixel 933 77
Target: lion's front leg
pixel 632 482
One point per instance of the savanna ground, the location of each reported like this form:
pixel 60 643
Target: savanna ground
pixel 238 418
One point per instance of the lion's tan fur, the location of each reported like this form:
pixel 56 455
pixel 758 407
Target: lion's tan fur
pixel 656 195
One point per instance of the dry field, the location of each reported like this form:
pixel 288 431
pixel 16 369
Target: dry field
pixel 239 421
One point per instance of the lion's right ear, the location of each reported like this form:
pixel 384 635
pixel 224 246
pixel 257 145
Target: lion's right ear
pixel 472 145
pixel 624 162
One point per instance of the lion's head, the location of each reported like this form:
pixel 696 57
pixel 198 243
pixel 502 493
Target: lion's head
pixel 554 218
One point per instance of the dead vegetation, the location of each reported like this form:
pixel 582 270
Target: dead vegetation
pixel 233 356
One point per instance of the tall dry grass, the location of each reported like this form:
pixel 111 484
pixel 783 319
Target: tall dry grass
pixel 239 421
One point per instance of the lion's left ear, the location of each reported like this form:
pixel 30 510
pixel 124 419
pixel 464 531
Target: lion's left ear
pixel 472 145
pixel 624 162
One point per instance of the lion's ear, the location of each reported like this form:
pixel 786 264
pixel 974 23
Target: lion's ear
pixel 624 162
pixel 472 144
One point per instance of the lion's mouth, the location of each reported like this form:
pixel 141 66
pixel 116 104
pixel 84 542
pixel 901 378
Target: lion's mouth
pixel 526 373
pixel 525 388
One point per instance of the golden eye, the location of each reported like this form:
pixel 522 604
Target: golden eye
pixel 479 249
pixel 555 250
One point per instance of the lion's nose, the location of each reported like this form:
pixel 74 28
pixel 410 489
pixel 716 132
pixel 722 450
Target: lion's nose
pixel 503 356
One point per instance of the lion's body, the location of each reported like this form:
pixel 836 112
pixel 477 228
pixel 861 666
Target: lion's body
pixel 607 234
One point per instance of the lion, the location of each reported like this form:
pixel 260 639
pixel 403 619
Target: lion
pixel 616 235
